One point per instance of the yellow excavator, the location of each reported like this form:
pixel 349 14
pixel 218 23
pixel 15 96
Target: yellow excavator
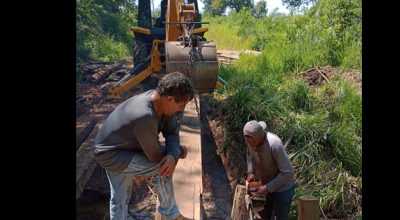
pixel 174 42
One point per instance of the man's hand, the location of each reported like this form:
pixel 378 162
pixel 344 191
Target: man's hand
pixel 167 166
pixel 185 150
pixel 250 177
pixel 262 190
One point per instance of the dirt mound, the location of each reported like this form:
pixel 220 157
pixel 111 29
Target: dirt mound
pixel 318 76
pixel 354 76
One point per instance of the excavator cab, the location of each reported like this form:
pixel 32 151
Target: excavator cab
pixel 172 42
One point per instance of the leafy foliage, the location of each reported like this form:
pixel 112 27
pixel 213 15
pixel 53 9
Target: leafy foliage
pixel 291 4
pixel 260 9
pixel 100 21
pixel 214 7
pixel 239 4
pixel 218 7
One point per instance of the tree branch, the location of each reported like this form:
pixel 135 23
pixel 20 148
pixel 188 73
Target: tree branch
pixel 323 136
pixel 290 139
pixel 323 75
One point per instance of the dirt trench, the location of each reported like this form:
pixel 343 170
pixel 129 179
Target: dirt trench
pixel 217 195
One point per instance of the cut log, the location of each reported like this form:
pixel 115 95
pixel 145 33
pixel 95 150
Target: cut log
pixel 83 129
pixel 256 53
pixel 85 163
pixel 117 75
pixel 97 77
pixel 239 210
pixel 308 208
pixel 101 62
pixel 125 67
pixel 89 69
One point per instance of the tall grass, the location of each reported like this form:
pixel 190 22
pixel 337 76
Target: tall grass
pixel 102 31
pixel 224 34
pixel 266 89
pixel 105 46
pixel 322 36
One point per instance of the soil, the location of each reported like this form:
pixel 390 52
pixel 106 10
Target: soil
pixel 318 76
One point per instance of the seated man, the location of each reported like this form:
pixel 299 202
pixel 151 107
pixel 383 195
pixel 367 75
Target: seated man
pixel 127 144
pixel 265 152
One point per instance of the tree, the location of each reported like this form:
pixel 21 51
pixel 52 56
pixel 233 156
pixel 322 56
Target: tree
pixel 291 4
pixel 214 7
pixel 99 19
pixel 239 4
pixel 260 9
pixel 218 7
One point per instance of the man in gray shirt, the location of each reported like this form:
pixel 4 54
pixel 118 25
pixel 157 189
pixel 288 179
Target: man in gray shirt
pixel 127 144
pixel 266 153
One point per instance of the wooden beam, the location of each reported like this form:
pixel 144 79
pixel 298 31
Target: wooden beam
pixel 187 177
pixel 85 163
pixel 308 208
pixel 83 129
pixel 239 209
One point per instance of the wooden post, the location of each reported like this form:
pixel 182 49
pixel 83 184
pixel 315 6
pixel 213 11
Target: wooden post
pixel 308 208
pixel 239 210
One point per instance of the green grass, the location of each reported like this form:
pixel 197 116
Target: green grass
pixel 106 47
pixel 266 89
pixel 224 35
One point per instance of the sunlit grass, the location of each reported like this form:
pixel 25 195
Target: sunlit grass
pixel 266 89
pixel 224 36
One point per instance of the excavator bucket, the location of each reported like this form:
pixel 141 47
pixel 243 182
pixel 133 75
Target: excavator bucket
pixel 205 65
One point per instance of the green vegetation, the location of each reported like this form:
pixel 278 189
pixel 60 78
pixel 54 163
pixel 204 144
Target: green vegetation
pixel 102 29
pixel 266 89
pixel 330 33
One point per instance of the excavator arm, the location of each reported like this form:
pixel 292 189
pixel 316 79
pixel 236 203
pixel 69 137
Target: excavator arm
pixel 154 62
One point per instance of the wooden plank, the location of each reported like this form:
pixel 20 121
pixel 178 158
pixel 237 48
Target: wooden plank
pixel 85 163
pixel 239 210
pixel 83 129
pixel 187 179
pixel 308 208
pixel 190 113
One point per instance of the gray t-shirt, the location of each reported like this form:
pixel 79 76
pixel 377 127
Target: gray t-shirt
pixel 134 126
pixel 271 163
